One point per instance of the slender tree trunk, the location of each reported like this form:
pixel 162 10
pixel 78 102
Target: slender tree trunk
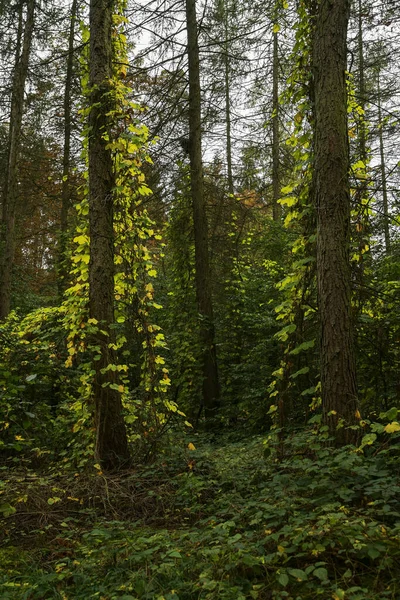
pixel 361 86
pixel 276 184
pixel 362 195
pixel 331 178
pixel 227 102
pixel 203 280
pixel 10 193
pixel 383 174
pixel 66 186
pixel 111 441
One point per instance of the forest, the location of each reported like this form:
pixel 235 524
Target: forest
pixel 199 300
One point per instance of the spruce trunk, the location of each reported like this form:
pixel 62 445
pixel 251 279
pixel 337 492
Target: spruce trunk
pixel 66 185
pixel 276 183
pixel 203 279
pixel 111 440
pixel 10 193
pixel 331 178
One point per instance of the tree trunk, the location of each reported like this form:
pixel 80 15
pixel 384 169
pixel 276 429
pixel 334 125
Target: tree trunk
pixel 385 201
pixel 362 195
pixel 276 184
pixel 111 440
pixel 227 100
pixel 66 186
pixel 10 193
pixel 203 280
pixel 331 178
pixel 361 86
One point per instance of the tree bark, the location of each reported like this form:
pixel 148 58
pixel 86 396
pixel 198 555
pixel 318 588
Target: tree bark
pixel 362 192
pixel 66 185
pixel 331 178
pixel 227 99
pixel 276 184
pixel 385 201
pixel 361 86
pixel 111 441
pixel 10 192
pixel 203 281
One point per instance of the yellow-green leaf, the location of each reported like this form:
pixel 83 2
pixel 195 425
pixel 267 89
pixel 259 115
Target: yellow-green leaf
pixel 392 427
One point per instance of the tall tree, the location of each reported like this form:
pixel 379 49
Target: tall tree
pixel 66 184
pixel 10 192
pixel 331 185
pixel 276 185
pixel 225 18
pixel 203 279
pixel 385 201
pixel 111 440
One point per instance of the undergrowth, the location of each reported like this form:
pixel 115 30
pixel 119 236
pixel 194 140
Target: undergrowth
pixel 213 519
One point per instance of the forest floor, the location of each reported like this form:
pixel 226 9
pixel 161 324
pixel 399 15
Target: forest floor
pixel 211 519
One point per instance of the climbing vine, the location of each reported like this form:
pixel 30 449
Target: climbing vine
pixel 298 373
pixel 136 248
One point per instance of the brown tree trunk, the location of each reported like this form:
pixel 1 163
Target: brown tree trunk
pixel 203 280
pixel 276 184
pixel 10 193
pixel 361 86
pixel 362 192
pixel 385 202
pixel 66 186
pixel 227 100
pixel 111 440
pixel 331 179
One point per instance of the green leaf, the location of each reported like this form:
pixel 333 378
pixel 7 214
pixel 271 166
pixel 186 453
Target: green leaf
pixel 302 371
pixel 285 331
pixel 303 346
pixel 377 427
pixel 53 500
pixel 373 552
pixel 283 579
pixel 390 415
pixel 7 510
pixel 235 538
pixel 321 573
pixel 368 439
pixel 298 574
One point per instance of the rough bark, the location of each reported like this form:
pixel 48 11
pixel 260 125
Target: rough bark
pixel 203 280
pixel 331 179
pixel 10 192
pixel 111 441
pixel 66 186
